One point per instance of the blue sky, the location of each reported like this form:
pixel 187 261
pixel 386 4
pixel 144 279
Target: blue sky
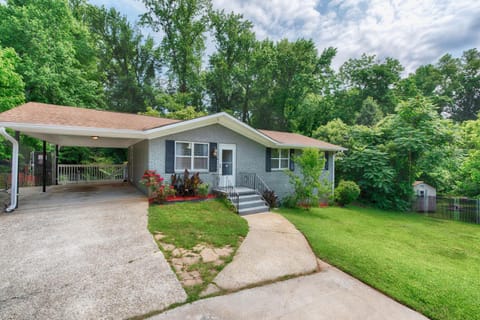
pixel 414 31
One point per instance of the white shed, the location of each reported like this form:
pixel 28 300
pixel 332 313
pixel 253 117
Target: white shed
pixel 422 189
pixel 426 197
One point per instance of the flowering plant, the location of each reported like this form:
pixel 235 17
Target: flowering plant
pixel 157 191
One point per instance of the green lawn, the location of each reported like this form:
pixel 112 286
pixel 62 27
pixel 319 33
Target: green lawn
pixel 187 224
pixel 430 265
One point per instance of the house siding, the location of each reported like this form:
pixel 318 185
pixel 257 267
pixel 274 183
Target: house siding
pixel 250 156
pixel 139 154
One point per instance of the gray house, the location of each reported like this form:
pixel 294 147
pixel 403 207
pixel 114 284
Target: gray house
pixel 228 154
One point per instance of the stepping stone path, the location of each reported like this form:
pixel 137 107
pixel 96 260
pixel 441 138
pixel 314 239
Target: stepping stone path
pixel 182 259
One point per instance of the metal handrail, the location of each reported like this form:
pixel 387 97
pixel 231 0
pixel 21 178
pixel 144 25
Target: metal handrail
pixel 232 194
pixel 255 182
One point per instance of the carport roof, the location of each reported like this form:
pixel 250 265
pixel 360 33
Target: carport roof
pixel 48 114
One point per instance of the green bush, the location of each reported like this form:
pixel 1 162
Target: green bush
pixel 202 190
pixel 289 201
pixel 346 192
pixel 308 185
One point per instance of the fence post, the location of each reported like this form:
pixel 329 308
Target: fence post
pixel 478 211
pixel 456 207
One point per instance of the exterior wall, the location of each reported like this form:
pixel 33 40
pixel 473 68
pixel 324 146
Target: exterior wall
pixel 250 156
pixel 427 190
pixel 138 161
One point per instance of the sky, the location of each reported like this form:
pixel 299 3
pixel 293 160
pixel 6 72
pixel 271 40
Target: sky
pixel 415 32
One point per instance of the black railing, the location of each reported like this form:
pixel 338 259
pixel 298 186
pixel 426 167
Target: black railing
pixel 255 182
pixel 228 189
pixel 459 209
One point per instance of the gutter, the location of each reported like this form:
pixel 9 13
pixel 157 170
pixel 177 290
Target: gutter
pixel 13 189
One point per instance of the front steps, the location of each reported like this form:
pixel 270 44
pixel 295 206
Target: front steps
pixel 249 201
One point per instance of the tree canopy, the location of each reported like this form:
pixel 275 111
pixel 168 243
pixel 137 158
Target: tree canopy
pixel 398 127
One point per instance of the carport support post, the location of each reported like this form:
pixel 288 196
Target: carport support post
pixel 56 164
pixel 17 137
pixel 44 188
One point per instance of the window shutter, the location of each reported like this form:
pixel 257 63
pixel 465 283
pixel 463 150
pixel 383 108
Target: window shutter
pixel 292 164
pixel 169 156
pixel 326 161
pixel 212 160
pixel 268 160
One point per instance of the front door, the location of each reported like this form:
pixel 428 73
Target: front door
pixel 227 159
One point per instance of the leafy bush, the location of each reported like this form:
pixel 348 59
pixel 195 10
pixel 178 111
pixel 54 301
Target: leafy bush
pixel 289 201
pixel 157 190
pixel 271 198
pixel 309 187
pixel 186 185
pixel 346 192
pixel 202 190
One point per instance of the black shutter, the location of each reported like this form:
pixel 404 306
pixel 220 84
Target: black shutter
pixel 268 160
pixel 326 161
pixel 292 164
pixel 213 160
pixel 169 156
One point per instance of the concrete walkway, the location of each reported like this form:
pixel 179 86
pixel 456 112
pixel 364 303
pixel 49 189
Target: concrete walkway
pixel 82 252
pixel 273 248
pixel 329 294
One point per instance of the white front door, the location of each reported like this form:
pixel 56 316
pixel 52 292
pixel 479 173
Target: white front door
pixel 227 159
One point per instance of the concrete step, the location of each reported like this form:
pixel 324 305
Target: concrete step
pixel 251 204
pixel 252 210
pixel 249 197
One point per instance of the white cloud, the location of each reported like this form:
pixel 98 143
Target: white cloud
pixel 415 32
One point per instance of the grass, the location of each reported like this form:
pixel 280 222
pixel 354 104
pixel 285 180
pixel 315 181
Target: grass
pixel 190 223
pixel 430 265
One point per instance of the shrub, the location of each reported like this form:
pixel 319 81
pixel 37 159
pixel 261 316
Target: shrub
pixel 346 192
pixel 202 190
pixel 271 198
pixel 157 190
pixel 309 187
pixel 289 201
pixel 186 185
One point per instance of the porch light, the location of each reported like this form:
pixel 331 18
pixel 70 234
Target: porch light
pixel 214 152
pixel 94 137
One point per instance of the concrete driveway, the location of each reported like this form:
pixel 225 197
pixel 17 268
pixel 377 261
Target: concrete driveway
pixel 82 252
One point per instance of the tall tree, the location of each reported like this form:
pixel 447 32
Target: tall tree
pixel 372 78
pixel 230 77
pixel 12 88
pixel 128 62
pixel 52 46
pixel 183 24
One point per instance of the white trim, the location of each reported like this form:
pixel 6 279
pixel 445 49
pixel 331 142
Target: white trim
pixel 71 130
pixel 280 160
pixel 192 157
pixel 227 146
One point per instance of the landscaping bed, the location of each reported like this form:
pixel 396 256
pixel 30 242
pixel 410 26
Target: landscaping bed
pixel 198 239
pixel 431 265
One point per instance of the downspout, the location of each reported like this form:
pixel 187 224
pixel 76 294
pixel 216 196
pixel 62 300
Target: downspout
pixel 13 189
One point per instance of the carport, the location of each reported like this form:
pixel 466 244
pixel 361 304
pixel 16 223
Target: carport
pixel 72 126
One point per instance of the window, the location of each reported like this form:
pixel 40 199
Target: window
pixel 280 159
pixel 191 156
